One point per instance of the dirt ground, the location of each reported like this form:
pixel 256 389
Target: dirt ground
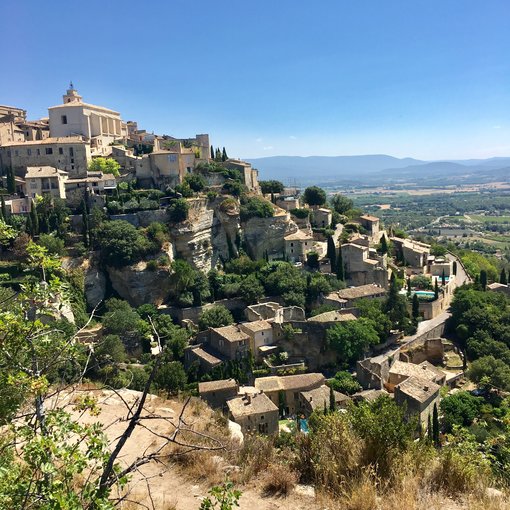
pixel 164 485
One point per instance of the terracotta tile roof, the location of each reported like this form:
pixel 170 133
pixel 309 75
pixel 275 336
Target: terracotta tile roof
pixel 223 384
pixel 333 316
pixel 318 396
pixel 251 404
pixel 207 357
pixel 299 236
pixel 34 172
pixel 368 217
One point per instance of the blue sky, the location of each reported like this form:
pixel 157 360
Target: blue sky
pixel 427 79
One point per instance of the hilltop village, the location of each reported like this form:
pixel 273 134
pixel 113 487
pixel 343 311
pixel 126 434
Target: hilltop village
pixel 209 213
pixel 272 304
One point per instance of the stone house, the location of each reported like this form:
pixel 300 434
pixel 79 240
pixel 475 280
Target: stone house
pixel 284 390
pixel 322 217
pixel 260 334
pixel 371 225
pixel 217 393
pixel 96 183
pixel 400 371
pixel 71 154
pixel 297 245
pixel 363 265
pixel 230 341
pixel 346 298
pixel 414 253
pixel 318 398
pixel 256 413
pixel 45 180
pixel 248 174
pixel 419 397
pixel 199 354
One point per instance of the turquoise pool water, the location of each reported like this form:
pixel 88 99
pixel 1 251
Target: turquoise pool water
pixel 424 293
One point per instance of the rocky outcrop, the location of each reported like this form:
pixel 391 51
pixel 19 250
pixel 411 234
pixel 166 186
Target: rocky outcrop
pixel 137 285
pixel 266 235
pixel 95 282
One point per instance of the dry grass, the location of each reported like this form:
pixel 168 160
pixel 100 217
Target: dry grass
pixel 279 480
pixel 254 456
pixel 200 466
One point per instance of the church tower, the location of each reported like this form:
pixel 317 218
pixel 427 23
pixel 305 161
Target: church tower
pixel 72 95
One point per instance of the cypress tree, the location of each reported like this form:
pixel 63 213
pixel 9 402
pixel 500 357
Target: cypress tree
pixel 11 181
pixel 483 279
pixel 332 402
pixel 325 408
pixel 217 155
pixel 85 228
pixel 408 285
pixel 436 289
pixel 331 253
pixel 4 209
pixel 435 426
pixel 340 274
pixel 35 219
pixel 416 307
pixel 430 434
pixel 212 152
pixel 2 216
pixel 454 267
pixel 224 156
pixel 384 245
pixel 502 277
pixel 443 278
pixel 29 228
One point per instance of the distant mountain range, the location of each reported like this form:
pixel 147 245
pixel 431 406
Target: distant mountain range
pixel 379 169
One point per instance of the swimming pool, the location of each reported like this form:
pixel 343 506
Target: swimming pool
pixel 424 293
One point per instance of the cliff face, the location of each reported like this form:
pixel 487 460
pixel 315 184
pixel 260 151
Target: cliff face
pixel 137 285
pixel 267 235
pixel 203 239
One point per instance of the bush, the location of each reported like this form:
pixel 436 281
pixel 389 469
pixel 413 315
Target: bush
pixel 215 317
pixel 120 243
pixel 279 480
pixel 195 181
pixel 300 213
pixel 255 207
pixel 53 244
pixel 178 210
pixel 344 382
pixel 152 265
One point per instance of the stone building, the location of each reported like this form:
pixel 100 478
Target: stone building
pixel 70 154
pixel 285 390
pixel 363 265
pixel 45 180
pixel 95 183
pixel 297 245
pixel 371 225
pixel 346 298
pixel 249 174
pixel 318 398
pixel 419 397
pixel 230 341
pixel 256 413
pixel 99 126
pixel 260 335
pixel 413 253
pixel 322 217
pixel 217 393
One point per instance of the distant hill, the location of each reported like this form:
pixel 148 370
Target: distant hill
pixel 378 168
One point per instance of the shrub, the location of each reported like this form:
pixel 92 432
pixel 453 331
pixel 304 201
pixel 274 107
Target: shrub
pixel 195 181
pixel 215 317
pixel 152 265
pixel 178 210
pixel 300 213
pixel 53 244
pixel 255 207
pixel 120 243
pixel 279 480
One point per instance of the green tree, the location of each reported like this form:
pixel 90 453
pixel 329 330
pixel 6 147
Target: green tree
pixel 178 210
pixel 250 289
pixel 314 196
pixel 331 253
pixel 53 244
pixel 212 152
pixel 195 181
pixel 495 371
pixel 483 279
pixel 351 339
pixel 416 307
pixel 340 272
pixel 105 165
pixel 384 244
pixel 435 425
pixel 224 156
pixel 502 277
pixel 171 377
pixel 384 429
pixel 11 181
pixel 217 154
pixel 395 305
pixel 341 204
pixel 345 383
pixel 120 243
pixel 3 209
pixel 454 267
pixel 34 220
pixel 215 317
pixel 436 289
pixel 459 409
pixel 312 260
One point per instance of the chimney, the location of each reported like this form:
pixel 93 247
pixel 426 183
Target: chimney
pixel 425 388
pixel 311 399
pixel 248 399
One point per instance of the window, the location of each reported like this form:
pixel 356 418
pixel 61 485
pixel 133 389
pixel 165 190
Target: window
pixel 72 167
pixel 16 153
pixel 64 119
pixel 49 150
pixel 292 244
pixel 71 152
pixel 306 244
pixel 29 152
pixel 60 150
pixel 72 160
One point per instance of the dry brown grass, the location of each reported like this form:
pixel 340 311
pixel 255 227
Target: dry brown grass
pixel 279 480
pixel 255 455
pixel 200 466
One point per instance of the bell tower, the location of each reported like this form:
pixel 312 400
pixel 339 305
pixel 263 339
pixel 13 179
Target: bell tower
pixel 71 95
